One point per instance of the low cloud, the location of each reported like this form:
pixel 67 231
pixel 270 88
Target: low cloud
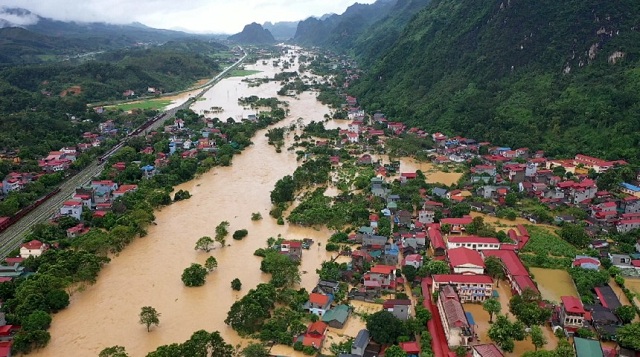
pixel 16 18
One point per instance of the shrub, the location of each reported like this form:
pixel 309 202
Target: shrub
pixel 239 234
pixel 256 216
pixel 236 284
pixel 181 195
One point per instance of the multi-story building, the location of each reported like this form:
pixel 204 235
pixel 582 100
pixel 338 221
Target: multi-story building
pixel 469 288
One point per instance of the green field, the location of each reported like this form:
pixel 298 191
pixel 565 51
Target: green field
pixel 153 104
pixel 242 72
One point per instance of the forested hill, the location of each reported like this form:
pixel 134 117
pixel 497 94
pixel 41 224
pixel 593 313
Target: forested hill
pixel 340 31
pixel 562 76
pixel 253 33
pixel 170 67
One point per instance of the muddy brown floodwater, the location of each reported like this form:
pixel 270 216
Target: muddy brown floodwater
pixel 147 273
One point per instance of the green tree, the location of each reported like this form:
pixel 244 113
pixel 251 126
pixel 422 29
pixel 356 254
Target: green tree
pixel 409 272
pixel 575 234
pixel 384 327
pixel 433 267
pixel 37 320
pixel 537 337
pixel 395 351
pixel 149 316
pixel 564 349
pixel 211 263
pixel 503 332
pixel 204 243
pixel 526 308
pixel 113 351
pixel 511 199
pixel 255 350
pixel 236 284
pixel 492 306
pixel 423 314
pixel 626 313
pixel 494 268
pixel 222 230
pixel 627 336
pixel 194 275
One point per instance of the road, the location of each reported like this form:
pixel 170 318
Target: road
pixel 13 237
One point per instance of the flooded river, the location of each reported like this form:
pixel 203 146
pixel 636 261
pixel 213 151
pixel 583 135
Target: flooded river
pixel 147 273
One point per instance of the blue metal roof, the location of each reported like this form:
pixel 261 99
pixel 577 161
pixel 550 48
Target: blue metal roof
pixel 631 187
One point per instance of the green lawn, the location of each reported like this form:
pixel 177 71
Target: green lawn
pixel 154 104
pixel 242 72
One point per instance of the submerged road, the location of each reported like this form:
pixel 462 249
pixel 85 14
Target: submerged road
pixel 13 236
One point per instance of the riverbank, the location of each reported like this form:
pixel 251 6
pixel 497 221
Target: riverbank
pixel 147 272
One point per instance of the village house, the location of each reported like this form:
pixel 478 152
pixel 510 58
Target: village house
pixel 123 189
pixel 426 217
pixel 414 260
pixel 400 308
pixel 622 261
pixel 627 225
pixel 586 262
pixel 337 316
pixel 104 187
pixel 360 343
pixel 486 350
pixel 381 277
pixel 318 304
pixel 437 242
pixel 587 347
pixel 315 335
pixel 465 261
pixel 572 313
pixel 77 230
pixel 458 225
pixel 292 249
pixel 469 288
pixel 33 248
pixel 72 208
pixel 410 348
pixel 454 320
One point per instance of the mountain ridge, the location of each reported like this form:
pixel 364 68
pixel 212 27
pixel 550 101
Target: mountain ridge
pixel 517 73
pixel 253 33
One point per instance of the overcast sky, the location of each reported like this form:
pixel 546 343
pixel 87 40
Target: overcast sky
pixel 213 16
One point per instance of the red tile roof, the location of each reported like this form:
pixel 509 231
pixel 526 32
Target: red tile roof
pixel 474 239
pixel 318 299
pixel 436 239
pixel 457 221
pixel 572 304
pixel 293 244
pixel 462 256
pixel 383 269
pixel 525 282
pixel 488 350
pixel 411 348
pixel 317 328
pixel 462 279
pixel 34 244
pixel 511 261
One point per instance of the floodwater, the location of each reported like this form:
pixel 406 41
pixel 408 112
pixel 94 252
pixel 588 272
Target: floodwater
pixel 147 273
pixel 482 326
pixel 554 283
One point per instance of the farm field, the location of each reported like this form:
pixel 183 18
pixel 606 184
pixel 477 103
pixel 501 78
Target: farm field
pixel 554 283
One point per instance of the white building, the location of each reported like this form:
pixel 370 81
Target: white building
pixel 72 208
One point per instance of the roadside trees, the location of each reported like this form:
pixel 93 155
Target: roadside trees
pixel 204 243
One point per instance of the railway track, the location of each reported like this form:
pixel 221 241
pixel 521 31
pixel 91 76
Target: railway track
pixel 13 236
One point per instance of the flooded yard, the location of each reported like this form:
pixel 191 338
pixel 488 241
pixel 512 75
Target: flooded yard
pixel 554 283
